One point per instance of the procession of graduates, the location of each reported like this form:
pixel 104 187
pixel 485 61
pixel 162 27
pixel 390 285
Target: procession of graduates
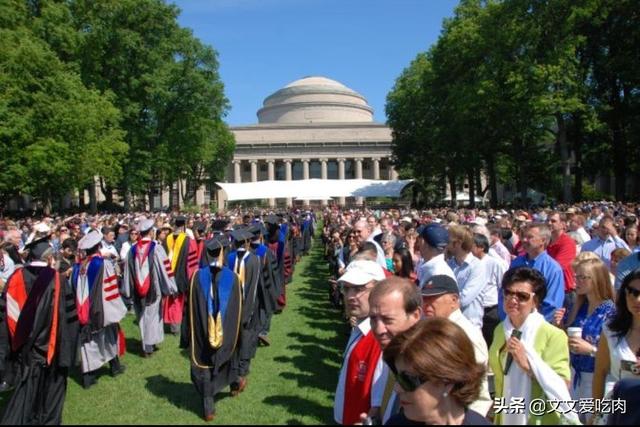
pixel 216 285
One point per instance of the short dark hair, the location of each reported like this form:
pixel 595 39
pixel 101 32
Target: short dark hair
pixel 410 293
pixel 529 275
pixel 369 247
pixel 481 241
pixel 70 243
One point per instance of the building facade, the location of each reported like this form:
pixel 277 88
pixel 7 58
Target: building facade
pixel 314 127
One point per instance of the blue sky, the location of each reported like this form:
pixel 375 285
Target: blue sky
pixel 265 44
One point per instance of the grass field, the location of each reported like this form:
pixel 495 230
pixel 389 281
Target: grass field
pixel 291 382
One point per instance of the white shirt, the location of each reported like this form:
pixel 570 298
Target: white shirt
pixel 124 251
pixel 471 277
pixel 435 266
pixel 500 250
pixel 8 267
pixel 603 248
pixel 583 234
pixel 377 389
pixel 495 269
pixel 484 402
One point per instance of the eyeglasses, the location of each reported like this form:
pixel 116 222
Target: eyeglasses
pixel 521 296
pixel 632 292
pixel 408 382
pixel 582 277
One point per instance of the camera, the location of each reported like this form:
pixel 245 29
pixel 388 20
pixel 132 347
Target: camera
pixel 630 366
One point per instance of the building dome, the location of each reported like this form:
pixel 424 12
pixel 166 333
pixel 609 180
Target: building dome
pixel 315 100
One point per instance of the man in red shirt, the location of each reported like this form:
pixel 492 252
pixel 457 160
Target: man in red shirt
pixel 563 249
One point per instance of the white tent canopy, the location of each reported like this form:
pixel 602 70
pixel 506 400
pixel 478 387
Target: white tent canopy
pixel 313 189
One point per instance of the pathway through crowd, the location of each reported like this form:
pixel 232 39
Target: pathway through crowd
pixel 291 382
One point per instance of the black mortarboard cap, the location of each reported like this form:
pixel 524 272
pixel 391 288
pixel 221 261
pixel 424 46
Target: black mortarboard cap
pixel 219 224
pixel 180 220
pixel 272 219
pixel 241 235
pixel 201 226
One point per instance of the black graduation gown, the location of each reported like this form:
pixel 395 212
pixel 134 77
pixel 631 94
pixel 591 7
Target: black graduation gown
pixel 269 291
pixel 211 369
pixel 250 323
pixel 40 387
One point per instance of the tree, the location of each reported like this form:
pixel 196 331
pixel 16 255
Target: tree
pixel 51 126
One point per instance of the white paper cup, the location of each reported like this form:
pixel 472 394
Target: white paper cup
pixel 574 332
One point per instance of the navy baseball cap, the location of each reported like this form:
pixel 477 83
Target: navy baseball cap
pixel 435 235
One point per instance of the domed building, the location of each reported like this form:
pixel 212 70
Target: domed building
pixel 314 127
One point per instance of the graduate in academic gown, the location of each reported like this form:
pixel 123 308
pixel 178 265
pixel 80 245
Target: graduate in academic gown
pixel 214 310
pixel 147 278
pixel 269 291
pixel 100 309
pixel 40 334
pixel 182 252
pixel 277 243
pixel 307 233
pixel 247 266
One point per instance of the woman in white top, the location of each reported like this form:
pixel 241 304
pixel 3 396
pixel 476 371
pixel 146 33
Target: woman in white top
pixel 617 356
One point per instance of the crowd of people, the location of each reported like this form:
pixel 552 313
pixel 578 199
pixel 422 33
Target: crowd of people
pixel 68 282
pixel 478 316
pixel 456 315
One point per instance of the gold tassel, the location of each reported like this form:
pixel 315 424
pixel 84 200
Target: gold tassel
pixel 215 331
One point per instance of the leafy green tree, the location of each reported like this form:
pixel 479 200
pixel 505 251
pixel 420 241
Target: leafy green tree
pixel 55 134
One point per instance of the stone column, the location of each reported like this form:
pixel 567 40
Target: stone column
pixel 323 174
pixel 341 200
pixel 358 160
pixel 237 172
pixel 305 175
pixel 271 168
pixel 393 175
pixel 254 170
pixel 288 176
pixel 376 167
pixel 305 168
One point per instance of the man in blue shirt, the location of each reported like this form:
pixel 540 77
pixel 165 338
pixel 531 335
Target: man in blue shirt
pixel 626 266
pixel 606 241
pixel 471 273
pixel 535 239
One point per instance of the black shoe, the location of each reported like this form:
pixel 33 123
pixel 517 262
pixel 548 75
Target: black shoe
pixel 117 371
pixel 88 380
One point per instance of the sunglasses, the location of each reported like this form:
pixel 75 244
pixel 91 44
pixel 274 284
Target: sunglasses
pixel 521 296
pixel 408 382
pixel 632 292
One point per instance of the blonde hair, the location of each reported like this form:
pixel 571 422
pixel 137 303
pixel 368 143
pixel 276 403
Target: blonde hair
pixel 601 281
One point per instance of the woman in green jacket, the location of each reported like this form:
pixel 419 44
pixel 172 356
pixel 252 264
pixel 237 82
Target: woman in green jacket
pixel 529 357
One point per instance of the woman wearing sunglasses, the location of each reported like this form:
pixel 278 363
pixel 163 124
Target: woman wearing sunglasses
pixel 436 374
pixel 593 308
pixel 535 365
pixel 618 355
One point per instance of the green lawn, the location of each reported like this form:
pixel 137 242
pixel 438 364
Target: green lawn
pixel 291 382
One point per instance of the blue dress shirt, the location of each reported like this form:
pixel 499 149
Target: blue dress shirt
pixel 552 273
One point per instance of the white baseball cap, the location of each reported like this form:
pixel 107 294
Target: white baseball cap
pixel 361 272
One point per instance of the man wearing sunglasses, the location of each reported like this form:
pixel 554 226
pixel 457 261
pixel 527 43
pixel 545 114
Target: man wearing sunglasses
pixel 441 298
pixel 360 384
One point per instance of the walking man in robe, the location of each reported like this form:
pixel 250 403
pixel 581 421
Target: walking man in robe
pixel 147 278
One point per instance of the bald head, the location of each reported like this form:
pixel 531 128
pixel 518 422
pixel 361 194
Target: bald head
pixel 362 230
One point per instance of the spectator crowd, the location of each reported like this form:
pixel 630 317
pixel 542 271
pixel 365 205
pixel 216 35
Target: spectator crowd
pixel 454 315
pixel 546 300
